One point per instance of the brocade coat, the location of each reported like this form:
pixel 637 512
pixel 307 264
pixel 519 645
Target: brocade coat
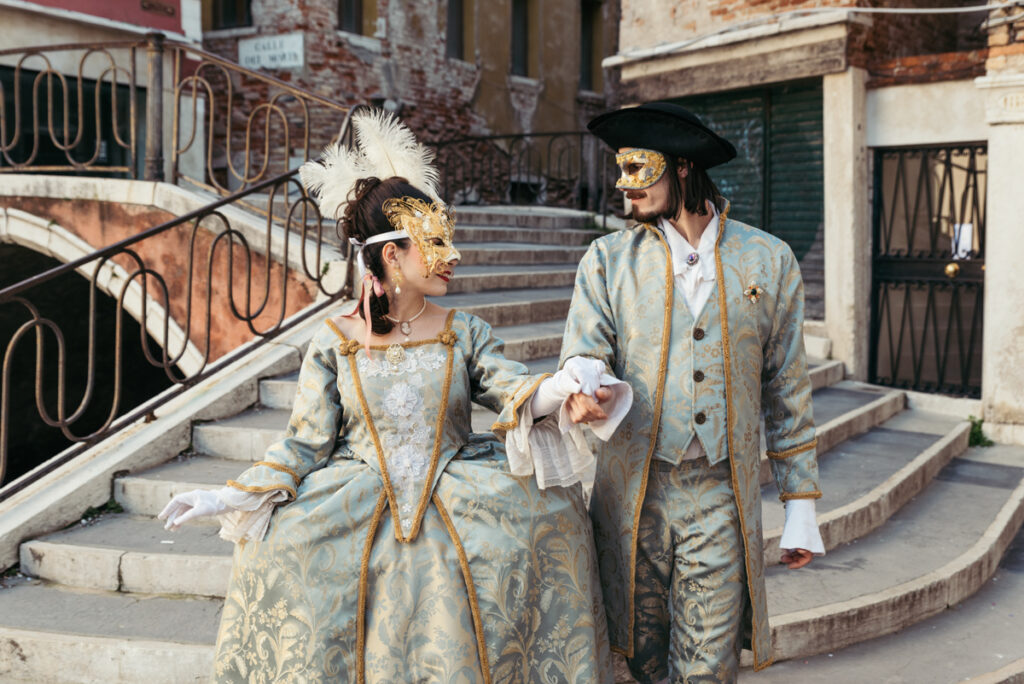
pixel 747 344
pixel 408 552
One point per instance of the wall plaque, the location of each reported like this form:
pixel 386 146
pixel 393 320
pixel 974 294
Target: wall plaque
pixel 272 52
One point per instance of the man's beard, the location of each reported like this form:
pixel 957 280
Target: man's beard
pixel 644 217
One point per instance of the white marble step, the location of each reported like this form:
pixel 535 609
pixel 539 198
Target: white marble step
pixel 132 554
pixel 501 277
pixel 510 253
pixel 51 634
pixel 551 218
pixel 977 640
pixel 466 232
pixel 936 551
pixel 513 307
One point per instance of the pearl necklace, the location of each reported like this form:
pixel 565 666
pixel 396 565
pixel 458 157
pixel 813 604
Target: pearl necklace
pixel 406 326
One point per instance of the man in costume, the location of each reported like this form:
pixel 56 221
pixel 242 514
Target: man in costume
pixel 703 317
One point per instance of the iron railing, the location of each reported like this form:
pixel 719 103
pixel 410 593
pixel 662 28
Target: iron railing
pixel 230 127
pixel 566 169
pixel 255 300
pixel 928 268
pixel 235 132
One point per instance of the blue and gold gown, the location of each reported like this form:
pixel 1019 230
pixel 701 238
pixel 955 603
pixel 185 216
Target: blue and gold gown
pixel 406 551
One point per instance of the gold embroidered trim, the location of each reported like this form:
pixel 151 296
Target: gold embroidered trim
pixel 283 468
pixel 261 488
pixel 444 337
pixel 364 571
pixel 435 457
pixel 474 606
pixel 514 423
pixel 666 328
pixel 730 420
pixel 776 455
pixel 799 495
pixel 388 490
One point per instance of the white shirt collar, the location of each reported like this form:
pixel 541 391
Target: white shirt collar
pixel 681 248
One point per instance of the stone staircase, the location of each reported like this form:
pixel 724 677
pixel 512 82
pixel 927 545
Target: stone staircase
pixel 913 520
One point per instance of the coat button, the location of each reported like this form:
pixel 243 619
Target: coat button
pixel 698 333
pixel 698 376
pixel 700 418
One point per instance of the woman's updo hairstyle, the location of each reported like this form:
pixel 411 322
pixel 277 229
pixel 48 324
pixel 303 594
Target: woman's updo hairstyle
pixel 363 218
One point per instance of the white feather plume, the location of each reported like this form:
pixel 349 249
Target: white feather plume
pixel 385 147
pixel 390 149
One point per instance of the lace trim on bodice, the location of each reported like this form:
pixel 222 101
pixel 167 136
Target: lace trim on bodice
pixel 416 359
pixel 407 444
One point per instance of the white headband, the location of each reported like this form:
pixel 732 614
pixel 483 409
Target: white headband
pixel 372 240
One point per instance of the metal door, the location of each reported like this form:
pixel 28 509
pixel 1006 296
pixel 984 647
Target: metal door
pixel 928 268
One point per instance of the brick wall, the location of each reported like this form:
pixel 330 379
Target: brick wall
pixel 1006 41
pixel 893 47
pixel 439 97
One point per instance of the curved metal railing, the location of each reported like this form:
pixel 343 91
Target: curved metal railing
pixel 93 109
pixel 570 169
pixel 257 299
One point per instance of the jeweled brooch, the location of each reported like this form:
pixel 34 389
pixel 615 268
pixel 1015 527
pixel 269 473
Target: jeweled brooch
pixel 753 293
pixel 395 354
pixel 692 258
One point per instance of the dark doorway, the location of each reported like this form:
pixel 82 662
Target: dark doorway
pixel 776 182
pixel 65 301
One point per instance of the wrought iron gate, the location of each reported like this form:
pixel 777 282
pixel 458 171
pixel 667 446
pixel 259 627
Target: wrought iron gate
pixel 928 268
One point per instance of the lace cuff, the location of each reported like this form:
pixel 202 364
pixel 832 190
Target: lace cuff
pixel 555 458
pixel 248 514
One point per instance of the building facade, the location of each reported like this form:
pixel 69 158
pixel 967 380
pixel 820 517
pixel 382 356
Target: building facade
pixel 867 138
pixel 449 68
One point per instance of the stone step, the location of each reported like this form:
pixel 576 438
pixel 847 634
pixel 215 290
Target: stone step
pixel 867 478
pixel 936 551
pixel 147 492
pixel 502 277
pixel 243 437
pixel 507 233
pixel 824 372
pixel 132 554
pixel 58 635
pixel 506 253
pixel 977 640
pixel 514 307
pixel 523 215
pixel 817 346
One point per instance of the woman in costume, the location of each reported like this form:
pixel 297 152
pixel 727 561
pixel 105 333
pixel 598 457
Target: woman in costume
pixel 381 540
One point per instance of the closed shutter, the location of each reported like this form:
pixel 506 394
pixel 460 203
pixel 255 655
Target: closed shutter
pixel 776 181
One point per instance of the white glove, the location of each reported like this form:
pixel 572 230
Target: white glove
pixel 198 503
pixel 579 374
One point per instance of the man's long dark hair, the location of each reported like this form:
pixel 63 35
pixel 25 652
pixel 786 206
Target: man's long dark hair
pixel 693 192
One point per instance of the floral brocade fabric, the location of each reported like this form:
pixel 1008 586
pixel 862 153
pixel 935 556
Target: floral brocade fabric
pixel 409 553
pixel 750 354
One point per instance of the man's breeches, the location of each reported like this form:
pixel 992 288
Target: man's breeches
pixel 690 576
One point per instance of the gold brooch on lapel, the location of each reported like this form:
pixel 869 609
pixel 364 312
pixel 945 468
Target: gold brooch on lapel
pixel 753 293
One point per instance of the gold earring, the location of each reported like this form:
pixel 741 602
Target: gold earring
pixel 399 279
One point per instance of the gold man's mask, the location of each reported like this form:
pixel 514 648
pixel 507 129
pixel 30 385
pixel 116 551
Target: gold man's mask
pixel 431 227
pixel 640 168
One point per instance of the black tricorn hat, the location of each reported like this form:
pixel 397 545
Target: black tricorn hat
pixel 666 128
